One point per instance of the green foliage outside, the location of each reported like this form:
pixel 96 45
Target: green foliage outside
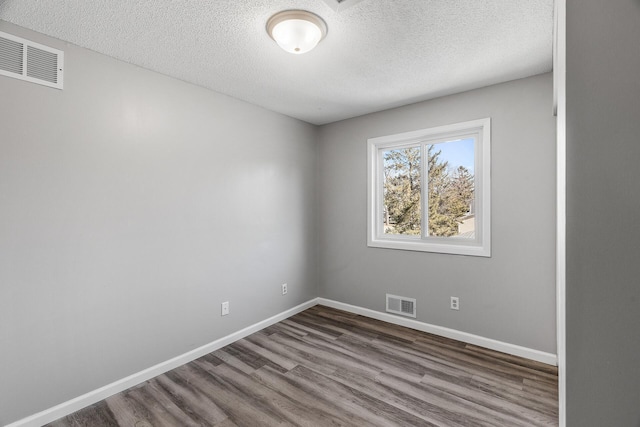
pixel 402 191
pixel 450 193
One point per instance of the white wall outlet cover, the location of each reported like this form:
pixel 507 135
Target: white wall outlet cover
pixel 225 308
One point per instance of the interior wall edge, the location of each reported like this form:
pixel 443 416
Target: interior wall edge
pixel 559 73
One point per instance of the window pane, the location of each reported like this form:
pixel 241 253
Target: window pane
pixel 451 189
pixel 401 210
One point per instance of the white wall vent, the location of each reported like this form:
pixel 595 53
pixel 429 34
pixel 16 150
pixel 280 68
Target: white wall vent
pixel 401 305
pixel 30 61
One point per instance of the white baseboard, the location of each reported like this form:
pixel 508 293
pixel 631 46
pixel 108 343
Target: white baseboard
pixel 516 350
pixel 73 405
pixel 95 396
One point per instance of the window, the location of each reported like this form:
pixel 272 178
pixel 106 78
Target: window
pixel 429 190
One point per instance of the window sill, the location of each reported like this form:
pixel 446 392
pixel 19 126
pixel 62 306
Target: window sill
pixel 453 248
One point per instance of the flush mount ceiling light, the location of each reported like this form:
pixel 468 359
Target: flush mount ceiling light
pixel 296 31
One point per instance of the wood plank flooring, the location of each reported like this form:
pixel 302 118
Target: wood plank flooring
pixel 325 367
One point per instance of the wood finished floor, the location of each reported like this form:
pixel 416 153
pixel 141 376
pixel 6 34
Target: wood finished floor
pixel 325 367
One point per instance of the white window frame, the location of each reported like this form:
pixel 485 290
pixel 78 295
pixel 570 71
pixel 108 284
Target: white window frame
pixel 481 245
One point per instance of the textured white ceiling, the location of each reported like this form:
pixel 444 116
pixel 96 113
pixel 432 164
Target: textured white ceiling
pixel 378 54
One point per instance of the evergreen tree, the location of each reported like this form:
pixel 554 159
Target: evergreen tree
pixel 440 223
pixel 450 193
pixel 461 192
pixel 402 190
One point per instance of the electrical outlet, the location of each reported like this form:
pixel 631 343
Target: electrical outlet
pixel 284 289
pixel 455 303
pixel 225 308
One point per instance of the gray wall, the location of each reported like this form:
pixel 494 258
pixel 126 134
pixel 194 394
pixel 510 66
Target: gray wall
pixel 509 297
pixel 132 205
pixel 603 203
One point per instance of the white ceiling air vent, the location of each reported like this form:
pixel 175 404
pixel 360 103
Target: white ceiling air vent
pixel 340 5
pixel 401 305
pixel 33 62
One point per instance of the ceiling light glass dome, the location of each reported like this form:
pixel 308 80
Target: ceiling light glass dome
pixel 296 31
